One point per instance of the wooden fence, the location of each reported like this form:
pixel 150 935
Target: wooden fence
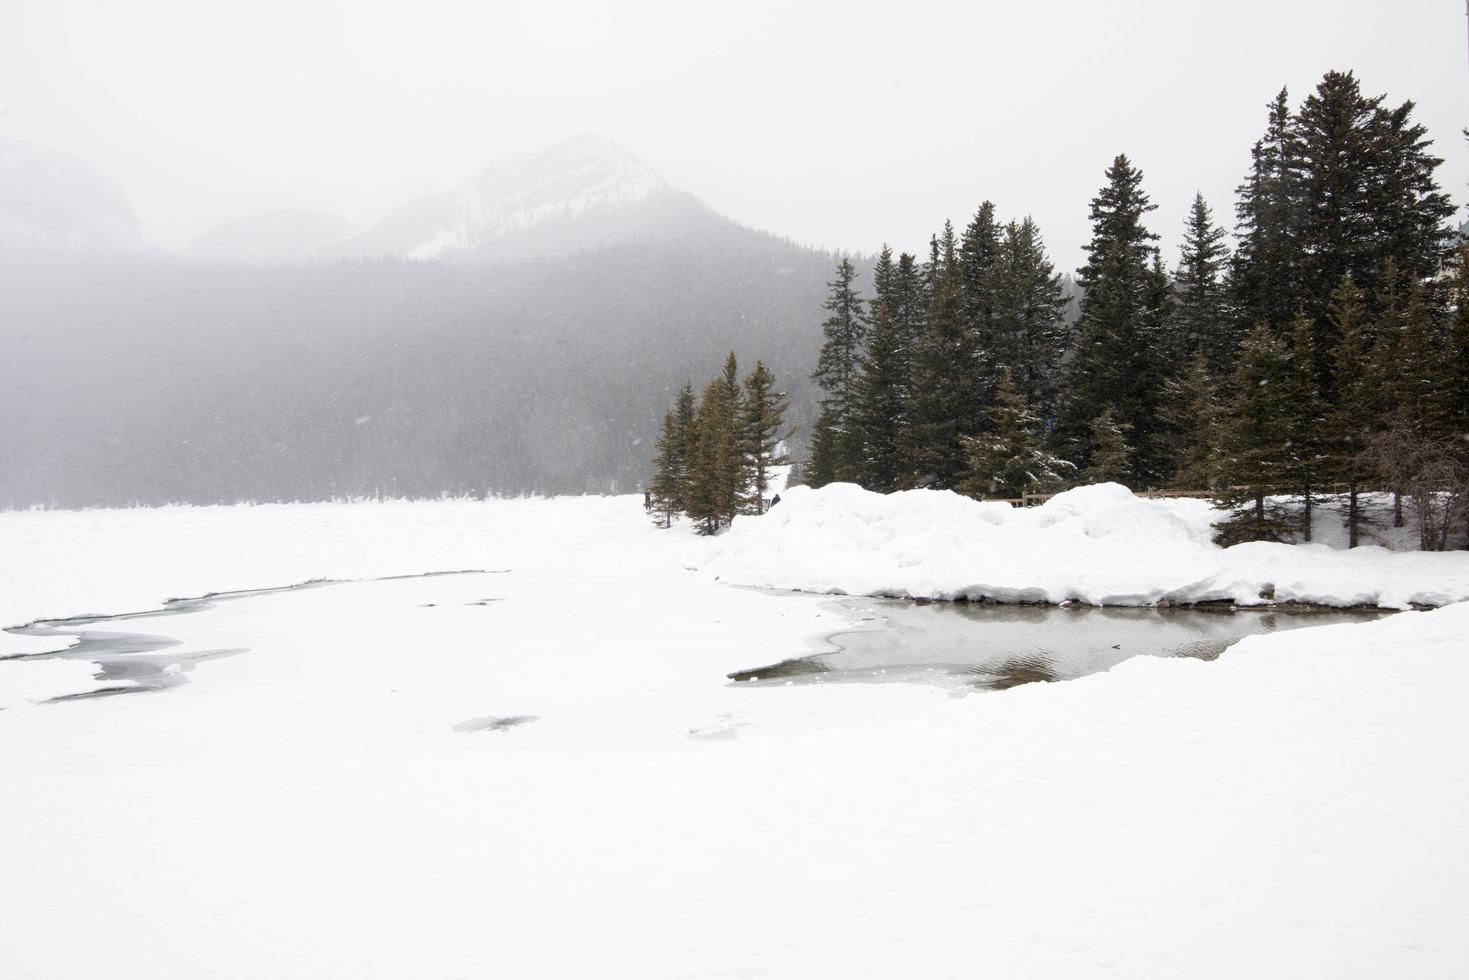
pixel 1032 499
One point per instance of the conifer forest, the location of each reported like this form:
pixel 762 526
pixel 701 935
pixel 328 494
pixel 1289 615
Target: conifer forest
pixel 1317 349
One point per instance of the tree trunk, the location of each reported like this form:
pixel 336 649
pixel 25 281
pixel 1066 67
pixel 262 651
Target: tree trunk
pixel 1352 514
pixel 1306 522
pixel 1397 508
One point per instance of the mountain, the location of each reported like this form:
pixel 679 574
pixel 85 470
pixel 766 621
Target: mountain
pixel 584 193
pixel 143 379
pixel 138 378
pixel 285 235
pixel 51 200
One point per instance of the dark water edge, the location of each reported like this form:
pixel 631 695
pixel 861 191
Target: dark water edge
pixel 968 646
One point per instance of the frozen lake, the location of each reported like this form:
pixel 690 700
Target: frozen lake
pixel 959 646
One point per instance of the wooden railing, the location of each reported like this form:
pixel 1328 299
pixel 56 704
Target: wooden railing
pixel 1032 499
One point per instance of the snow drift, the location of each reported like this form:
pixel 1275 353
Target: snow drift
pixel 1100 545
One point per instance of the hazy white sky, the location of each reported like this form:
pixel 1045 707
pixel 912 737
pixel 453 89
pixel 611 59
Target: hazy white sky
pixel 837 124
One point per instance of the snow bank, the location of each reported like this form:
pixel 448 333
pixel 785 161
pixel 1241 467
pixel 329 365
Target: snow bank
pixel 315 807
pixel 1099 544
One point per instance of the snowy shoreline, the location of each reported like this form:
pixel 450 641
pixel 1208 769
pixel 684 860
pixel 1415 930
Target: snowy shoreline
pixel 1096 545
pixel 1222 606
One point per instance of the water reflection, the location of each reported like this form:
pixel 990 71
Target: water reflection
pixel 995 647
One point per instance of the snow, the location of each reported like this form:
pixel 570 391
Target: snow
pixel 611 806
pixel 582 175
pixel 1098 544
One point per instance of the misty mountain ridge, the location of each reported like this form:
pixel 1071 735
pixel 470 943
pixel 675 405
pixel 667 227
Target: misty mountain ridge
pixel 53 201
pixel 583 193
pixel 586 192
pixel 568 296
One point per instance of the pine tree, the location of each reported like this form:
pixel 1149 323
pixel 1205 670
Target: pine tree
pixel 979 257
pixel 764 412
pixel 1200 320
pixel 1256 438
pixel 1367 194
pixel 1119 360
pixel 734 475
pixel 669 491
pixel 845 332
pixel 1266 267
pixel 881 405
pixel 712 449
pixel 1008 461
pixel 1192 415
pixel 908 307
pixel 943 405
pixel 1111 456
pixel 820 468
pixel 1455 362
pixel 1307 463
pixel 1030 332
pixel 1358 410
pixel 1424 379
pixel 718 468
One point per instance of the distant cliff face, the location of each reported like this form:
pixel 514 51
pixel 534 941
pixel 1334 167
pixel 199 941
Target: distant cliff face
pixel 584 193
pixel 54 201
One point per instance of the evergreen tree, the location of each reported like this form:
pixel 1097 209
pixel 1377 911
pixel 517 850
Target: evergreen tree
pixel 764 412
pixel 734 477
pixel 1424 377
pixel 1158 325
pixel 1455 362
pixel 880 410
pixel 1008 461
pixel 1192 415
pixel 1200 319
pixel 943 404
pixel 1266 267
pixel 845 332
pixel 1119 357
pixel 1358 410
pixel 908 307
pixel 718 468
pixel 1111 456
pixel 1367 194
pixel 712 450
pixel 1030 332
pixel 669 490
pixel 1307 462
pixel 883 273
pixel 979 257
pixel 820 468
pixel 1256 440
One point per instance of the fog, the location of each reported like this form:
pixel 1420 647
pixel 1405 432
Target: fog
pixel 306 250
pixel 838 125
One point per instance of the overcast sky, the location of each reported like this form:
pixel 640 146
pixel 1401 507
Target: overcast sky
pixel 837 124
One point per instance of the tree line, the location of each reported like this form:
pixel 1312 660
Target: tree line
pixel 1327 351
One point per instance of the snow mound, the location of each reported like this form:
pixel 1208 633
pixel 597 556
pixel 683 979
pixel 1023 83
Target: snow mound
pixel 1100 545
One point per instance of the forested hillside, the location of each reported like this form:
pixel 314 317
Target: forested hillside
pixel 144 380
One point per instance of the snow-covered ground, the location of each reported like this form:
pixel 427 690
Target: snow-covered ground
pixel 539 770
pixel 1099 545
